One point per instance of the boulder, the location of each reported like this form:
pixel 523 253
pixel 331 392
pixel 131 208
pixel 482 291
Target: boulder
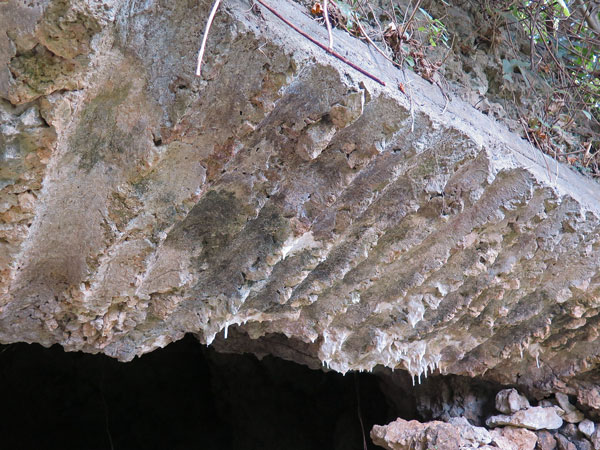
pixel 545 441
pixel 534 418
pixel 509 401
pixel 563 443
pixel 571 414
pixel 406 435
pixel 511 438
pixel 587 427
pixel 595 439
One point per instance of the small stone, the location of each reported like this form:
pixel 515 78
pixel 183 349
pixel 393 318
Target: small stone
pixel 595 438
pixel 511 438
pixel 589 397
pixel 587 427
pixel 571 414
pixel 535 418
pixel 547 403
pixel 26 201
pixel 563 443
pixel 569 430
pixel 509 401
pixel 546 441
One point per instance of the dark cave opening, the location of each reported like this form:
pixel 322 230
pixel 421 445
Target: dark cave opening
pixel 185 396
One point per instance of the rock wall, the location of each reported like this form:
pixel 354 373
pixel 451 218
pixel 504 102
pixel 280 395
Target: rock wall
pixel 281 193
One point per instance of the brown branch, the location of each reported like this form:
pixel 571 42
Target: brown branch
pixel 324 47
pixel 406 24
pixel 590 14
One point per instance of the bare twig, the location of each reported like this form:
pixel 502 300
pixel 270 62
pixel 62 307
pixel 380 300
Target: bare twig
pixel 406 24
pixel 449 50
pixel 376 21
pixel 328 23
pixel 324 47
pixel 370 41
pixel 209 22
pixel 393 16
pixel 590 14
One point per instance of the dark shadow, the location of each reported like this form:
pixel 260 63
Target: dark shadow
pixel 184 396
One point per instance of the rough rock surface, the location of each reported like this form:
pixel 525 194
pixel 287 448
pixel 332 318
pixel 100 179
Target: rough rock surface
pixel 282 192
pixel 546 440
pixel 457 434
pixel 509 401
pixel 595 438
pixel 405 435
pixel 511 438
pixel 587 427
pixel 571 414
pixel 535 418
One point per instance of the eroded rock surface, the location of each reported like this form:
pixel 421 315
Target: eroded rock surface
pixel 282 193
pixel 509 401
pixel 535 418
pixel 405 435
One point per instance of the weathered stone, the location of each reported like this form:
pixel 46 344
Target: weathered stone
pixel 595 438
pixel 511 438
pixel 474 435
pixel 570 431
pixel 571 414
pixel 545 441
pixel 535 418
pixel 405 435
pixel 562 443
pixel 281 192
pixel 588 395
pixel 587 427
pixel 509 401
pixel 548 403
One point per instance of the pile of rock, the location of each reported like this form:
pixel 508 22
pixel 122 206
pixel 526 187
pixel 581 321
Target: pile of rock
pixel 555 424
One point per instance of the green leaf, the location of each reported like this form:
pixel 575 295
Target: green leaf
pixel 425 13
pixel 587 114
pixel 564 7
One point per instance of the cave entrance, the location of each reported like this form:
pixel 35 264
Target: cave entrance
pixel 185 396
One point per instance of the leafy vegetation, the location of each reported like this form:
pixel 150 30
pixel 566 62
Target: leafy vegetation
pixel 558 67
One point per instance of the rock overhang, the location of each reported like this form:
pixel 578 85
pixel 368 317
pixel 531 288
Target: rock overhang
pixel 285 193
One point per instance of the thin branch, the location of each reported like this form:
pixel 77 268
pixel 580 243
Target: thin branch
pixel 590 15
pixel 324 47
pixel 370 41
pixel 376 21
pixel 406 24
pixel 209 22
pixel 328 23
pixel 393 16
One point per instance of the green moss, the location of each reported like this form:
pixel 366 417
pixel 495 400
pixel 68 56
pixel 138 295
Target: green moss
pixel 98 136
pixel 212 223
pixel 38 72
pixel 220 220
